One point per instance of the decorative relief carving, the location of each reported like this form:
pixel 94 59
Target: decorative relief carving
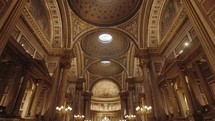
pixel 105 106
pixel 105 88
pixel 67 59
pixel 131 27
pixel 78 27
pixel 154 23
pixel 56 23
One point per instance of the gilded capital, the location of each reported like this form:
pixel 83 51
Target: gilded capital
pixel 143 63
pixel 66 59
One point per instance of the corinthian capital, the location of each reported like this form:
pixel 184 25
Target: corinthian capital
pixel 143 63
pixel 66 59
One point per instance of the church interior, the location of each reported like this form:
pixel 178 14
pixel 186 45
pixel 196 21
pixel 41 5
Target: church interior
pixel 107 60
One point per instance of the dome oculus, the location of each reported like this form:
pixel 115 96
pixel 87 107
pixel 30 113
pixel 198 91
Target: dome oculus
pixel 105 38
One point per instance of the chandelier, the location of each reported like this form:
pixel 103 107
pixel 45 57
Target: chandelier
pixel 144 109
pixel 63 108
pixel 130 117
pixel 79 117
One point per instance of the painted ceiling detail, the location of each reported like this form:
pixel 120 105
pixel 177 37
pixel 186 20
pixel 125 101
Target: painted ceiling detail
pixel 105 69
pixel 105 88
pixel 105 12
pixel 92 45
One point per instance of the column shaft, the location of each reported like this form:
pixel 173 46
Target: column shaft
pixel 36 98
pixel 172 98
pixel 21 92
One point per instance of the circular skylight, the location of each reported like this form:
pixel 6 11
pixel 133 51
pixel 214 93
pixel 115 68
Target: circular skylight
pixel 105 62
pixel 105 38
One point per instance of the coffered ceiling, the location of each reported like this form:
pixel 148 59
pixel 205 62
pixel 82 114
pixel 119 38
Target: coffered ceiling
pixel 93 46
pixel 105 12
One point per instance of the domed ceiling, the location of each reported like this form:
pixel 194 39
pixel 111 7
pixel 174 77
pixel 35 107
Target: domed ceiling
pixel 115 44
pixel 105 88
pixel 105 12
pixel 105 68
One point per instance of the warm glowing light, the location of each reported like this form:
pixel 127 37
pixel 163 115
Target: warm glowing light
pixel 130 117
pixel 62 108
pixel 105 38
pixel 186 44
pixel 144 109
pixel 181 51
pixel 79 117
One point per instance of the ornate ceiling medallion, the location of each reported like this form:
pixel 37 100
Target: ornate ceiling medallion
pixel 105 12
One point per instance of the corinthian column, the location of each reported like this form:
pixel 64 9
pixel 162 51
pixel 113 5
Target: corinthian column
pixel 66 64
pixel 123 99
pixel 87 97
pixel 23 85
pixel 131 83
pixel 36 98
pixel 146 83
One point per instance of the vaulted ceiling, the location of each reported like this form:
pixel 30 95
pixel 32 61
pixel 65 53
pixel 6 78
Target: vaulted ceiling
pixel 103 35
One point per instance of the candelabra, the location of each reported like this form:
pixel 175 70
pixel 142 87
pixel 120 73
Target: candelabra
pixel 130 117
pixel 79 117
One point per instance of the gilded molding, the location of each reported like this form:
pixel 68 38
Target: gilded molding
pixel 155 15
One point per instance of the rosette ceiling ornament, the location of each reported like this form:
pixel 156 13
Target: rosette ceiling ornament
pixel 105 12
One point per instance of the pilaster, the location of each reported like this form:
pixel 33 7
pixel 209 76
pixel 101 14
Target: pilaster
pixel 24 82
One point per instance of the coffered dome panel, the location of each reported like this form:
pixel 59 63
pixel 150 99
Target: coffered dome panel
pixel 105 44
pixel 105 68
pixel 105 88
pixel 105 12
